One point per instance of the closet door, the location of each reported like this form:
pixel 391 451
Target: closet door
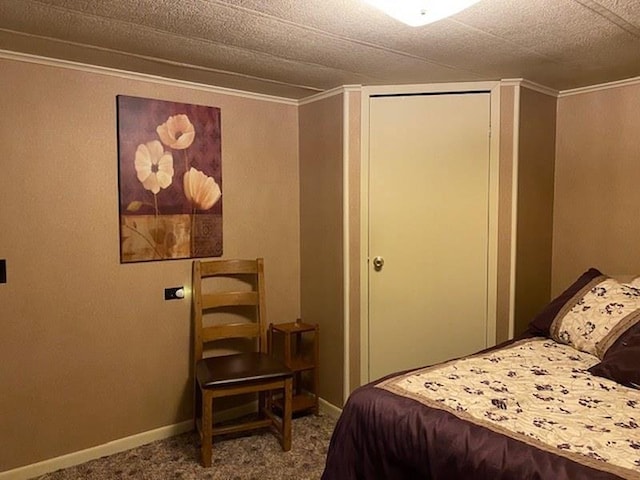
pixel 428 228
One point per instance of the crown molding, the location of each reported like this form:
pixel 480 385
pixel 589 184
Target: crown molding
pixel 524 83
pixel 100 70
pixel 329 93
pixel 114 72
pixel 603 86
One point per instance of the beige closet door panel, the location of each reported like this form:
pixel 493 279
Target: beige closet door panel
pixel 428 220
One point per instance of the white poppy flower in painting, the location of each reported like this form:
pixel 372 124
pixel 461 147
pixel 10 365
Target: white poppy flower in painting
pixel 154 166
pixel 201 190
pixel 177 132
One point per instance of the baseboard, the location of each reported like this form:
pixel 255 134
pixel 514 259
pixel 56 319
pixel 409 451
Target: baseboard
pixel 133 441
pixel 82 456
pixel 329 409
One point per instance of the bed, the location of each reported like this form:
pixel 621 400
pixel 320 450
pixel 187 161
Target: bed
pixel 560 402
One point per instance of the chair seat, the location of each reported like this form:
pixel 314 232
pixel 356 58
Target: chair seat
pixel 228 370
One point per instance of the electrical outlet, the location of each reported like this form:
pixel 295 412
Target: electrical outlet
pixel 174 293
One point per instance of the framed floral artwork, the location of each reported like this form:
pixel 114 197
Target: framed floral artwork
pixel 170 180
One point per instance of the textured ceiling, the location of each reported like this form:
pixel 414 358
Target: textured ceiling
pixel 295 48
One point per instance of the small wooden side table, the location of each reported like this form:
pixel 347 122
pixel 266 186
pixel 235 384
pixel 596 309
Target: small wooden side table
pixel 300 358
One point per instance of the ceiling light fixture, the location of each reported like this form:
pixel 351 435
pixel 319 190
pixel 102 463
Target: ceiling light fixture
pixel 420 12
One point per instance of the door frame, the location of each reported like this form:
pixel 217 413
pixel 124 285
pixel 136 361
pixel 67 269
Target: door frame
pixel 494 123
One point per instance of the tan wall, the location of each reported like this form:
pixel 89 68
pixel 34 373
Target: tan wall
pixel 536 156
pixel 89 351
pixel 321 235
pixel 596 221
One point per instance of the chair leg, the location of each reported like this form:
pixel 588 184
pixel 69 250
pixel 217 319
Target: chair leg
pixel 197 407
pixel 286 414
pixel 206 450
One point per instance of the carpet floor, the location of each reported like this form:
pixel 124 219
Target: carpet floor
pixel 257 456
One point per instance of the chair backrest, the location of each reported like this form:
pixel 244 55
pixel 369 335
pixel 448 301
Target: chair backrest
pixel 226 297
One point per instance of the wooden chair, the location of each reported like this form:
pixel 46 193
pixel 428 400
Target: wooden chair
pixel 238 373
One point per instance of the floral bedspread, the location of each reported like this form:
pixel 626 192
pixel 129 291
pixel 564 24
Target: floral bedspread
pixel 537 391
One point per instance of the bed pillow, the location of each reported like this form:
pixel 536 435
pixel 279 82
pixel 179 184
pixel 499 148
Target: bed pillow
pixel 601 312
pixel 621 362
pixel 541 323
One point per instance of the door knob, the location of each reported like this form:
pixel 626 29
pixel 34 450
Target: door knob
pixel 378 263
